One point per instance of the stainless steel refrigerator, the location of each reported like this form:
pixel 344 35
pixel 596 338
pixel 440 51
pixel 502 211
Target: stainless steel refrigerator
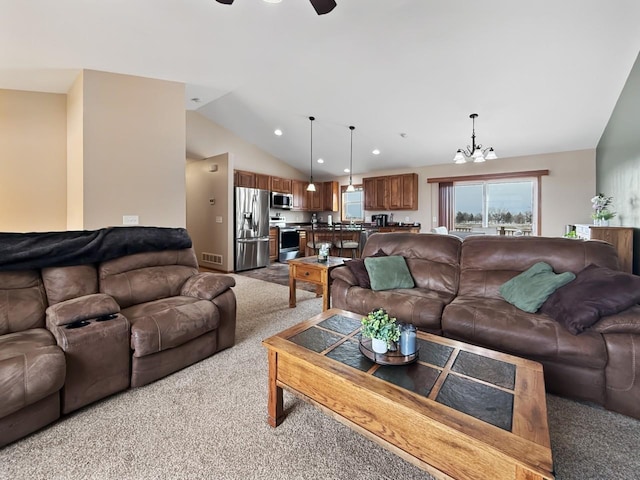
pixel 251 228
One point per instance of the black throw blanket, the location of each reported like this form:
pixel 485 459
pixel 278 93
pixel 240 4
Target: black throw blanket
pixel 21 251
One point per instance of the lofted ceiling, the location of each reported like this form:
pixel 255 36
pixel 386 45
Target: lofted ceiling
pixel 544 76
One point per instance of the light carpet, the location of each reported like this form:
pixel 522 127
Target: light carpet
pixel 208 421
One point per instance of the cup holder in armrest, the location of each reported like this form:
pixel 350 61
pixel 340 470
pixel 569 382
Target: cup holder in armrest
pixel 104 318
pixel 77 324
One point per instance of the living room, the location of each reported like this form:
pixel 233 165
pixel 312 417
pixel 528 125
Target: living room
pixel 115 142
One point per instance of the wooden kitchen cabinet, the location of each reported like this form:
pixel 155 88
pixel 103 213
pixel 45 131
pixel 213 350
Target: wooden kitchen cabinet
pixel 403 192
pixel 375 193
pixel 273 244
pixel 391 192
pixel 314 199
pixel 263 182
pixel 330 196
pixel 280 185
pixel 242 178
pixel 299 191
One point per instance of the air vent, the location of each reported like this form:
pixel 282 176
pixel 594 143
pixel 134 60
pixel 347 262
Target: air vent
pixel 212 258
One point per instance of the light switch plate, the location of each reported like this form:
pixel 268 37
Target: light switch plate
pixel 130 219
pixel 218 219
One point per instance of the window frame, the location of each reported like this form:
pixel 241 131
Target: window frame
pixel 343 191
pixel 445 186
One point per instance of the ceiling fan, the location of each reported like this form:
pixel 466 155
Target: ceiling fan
pixel 321 6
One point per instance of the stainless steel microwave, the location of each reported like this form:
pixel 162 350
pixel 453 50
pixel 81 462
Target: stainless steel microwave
pixel 282 200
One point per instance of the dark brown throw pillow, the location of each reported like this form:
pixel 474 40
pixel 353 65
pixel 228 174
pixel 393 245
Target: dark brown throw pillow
pixel 360 271
pixel 596 292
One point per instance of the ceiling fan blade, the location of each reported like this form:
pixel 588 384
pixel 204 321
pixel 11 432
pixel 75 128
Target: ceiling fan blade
pixel 322 6
pixel 226 2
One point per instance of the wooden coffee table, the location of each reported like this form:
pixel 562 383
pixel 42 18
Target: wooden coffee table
pixel 460 411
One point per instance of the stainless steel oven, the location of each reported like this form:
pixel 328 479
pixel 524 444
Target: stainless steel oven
pixel 289 244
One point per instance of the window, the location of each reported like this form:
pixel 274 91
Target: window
pixel 496 206
pixel 500 203
pixel 352 204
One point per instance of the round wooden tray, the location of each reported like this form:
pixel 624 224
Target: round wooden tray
pixel 389 358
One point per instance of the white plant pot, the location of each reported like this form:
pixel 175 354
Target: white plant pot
pixel 378 346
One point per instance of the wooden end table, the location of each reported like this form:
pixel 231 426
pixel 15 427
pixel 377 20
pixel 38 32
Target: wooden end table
pixel 309 269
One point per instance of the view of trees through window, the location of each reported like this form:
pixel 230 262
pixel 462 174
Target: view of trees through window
pixel 353 205
pixel 491 205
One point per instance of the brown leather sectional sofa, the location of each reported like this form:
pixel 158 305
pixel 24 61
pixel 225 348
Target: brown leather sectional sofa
pixel 457 296
pixel 71 335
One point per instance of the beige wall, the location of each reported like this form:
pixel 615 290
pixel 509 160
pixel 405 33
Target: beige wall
pixel 32 161
pixel 207 139
pixel 133 150
pixel 566 191
pixel 208 200
pixel 75 155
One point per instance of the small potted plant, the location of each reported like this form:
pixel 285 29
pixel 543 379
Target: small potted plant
pixel 381 329
pixel 601 205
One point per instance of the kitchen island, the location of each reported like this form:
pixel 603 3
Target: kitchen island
pixel 329 234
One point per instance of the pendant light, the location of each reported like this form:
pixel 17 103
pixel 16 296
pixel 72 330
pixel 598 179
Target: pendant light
pixel 351 188
pixel 311 187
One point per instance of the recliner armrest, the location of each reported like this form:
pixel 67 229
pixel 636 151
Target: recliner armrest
pixel 345 274
pixel 81 308
pixel 207 286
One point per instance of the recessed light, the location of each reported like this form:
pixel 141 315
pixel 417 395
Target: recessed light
pixel 320 160
pixel 346 170
pixel 272 1
pixel 277 131
pixel 376 152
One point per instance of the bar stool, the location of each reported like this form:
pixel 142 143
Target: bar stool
pixel 348 239
pixel 313 243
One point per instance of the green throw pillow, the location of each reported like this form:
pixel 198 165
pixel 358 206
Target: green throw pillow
pixel 529 290
pixel 387 273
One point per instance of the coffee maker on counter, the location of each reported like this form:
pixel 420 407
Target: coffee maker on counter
pixel 381 219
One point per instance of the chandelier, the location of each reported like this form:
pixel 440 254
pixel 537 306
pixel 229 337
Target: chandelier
pixel 474 151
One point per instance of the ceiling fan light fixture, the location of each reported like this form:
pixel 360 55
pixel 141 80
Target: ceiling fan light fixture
pixel 459 158
pixel 272 1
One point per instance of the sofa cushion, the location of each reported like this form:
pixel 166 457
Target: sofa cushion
pixel 498 325
pixel 145 277
pixel 419 306
pixel 359 270
pixel 64 283
pixel 388 273
pixel 531 288
pixel 596 292
pixel 22 301
pixel 169 322
pixel 32 367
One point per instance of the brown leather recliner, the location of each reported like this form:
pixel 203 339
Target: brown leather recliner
pixel 599 365
pixel 178 316
pixel 433 261
pixel 32 367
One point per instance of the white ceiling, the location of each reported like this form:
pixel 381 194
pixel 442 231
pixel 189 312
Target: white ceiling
pixel 543 75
